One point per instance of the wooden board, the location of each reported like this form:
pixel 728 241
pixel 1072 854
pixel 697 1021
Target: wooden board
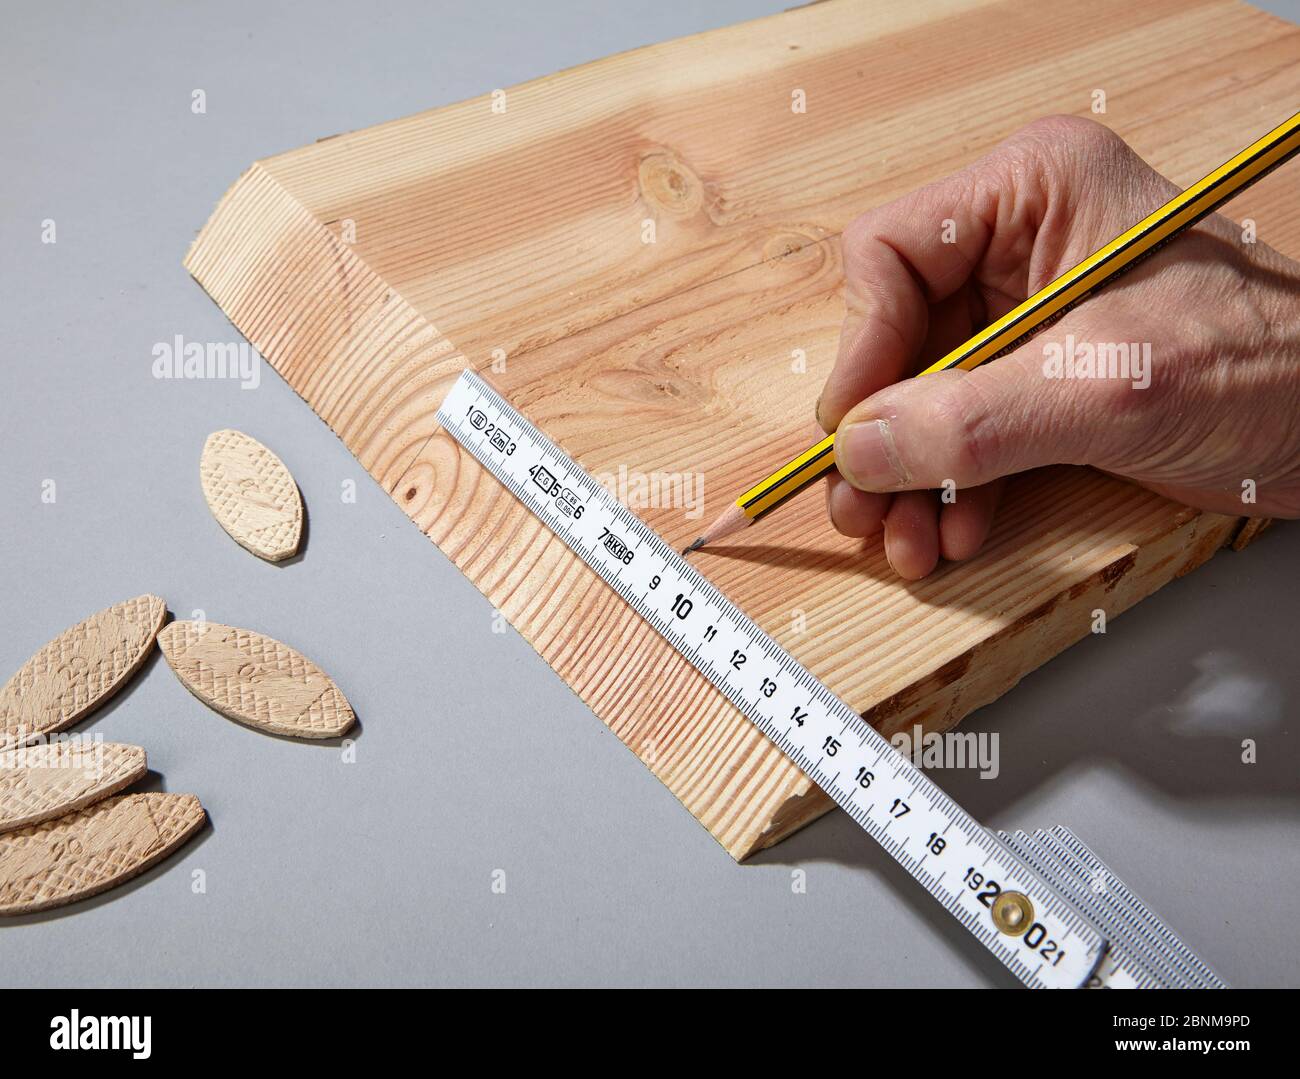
pixel 371 267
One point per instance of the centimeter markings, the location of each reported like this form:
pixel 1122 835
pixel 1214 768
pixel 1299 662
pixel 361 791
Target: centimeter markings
pixel 953 857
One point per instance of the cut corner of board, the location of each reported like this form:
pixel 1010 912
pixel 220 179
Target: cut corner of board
pixel 800 809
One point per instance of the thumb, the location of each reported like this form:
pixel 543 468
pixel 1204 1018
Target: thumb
pixel 964 427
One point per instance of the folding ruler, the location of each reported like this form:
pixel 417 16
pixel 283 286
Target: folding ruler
pixel 1044 904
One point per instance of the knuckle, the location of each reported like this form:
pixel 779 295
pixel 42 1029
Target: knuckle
pixel 1063 135
pixel 856 241
pixel 1061 127
pixel 857 232
pixel 970 436
pixel 1056 145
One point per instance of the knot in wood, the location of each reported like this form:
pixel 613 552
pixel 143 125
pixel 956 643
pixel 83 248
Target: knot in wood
pixel 792 243
pixel 668 184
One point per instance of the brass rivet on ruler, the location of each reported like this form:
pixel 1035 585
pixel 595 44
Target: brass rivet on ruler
pixel 1012 913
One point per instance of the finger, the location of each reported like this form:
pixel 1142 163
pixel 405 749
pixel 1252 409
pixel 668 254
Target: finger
pixel 964 524
pixel 855 513
pixel 912 534
pixel 974 232
pixel 896 265
pixel 969 428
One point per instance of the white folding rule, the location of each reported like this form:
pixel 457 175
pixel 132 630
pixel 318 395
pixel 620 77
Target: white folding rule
pixel 1044 904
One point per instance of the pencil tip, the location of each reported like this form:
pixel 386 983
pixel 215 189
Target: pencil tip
pixel 694 546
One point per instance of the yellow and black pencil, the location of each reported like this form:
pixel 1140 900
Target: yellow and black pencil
pixel 1022 322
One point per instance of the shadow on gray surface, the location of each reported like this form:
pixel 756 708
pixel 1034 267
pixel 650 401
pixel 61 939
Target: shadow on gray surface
pixel 1181 730
pixel 1168 694
pixel 86 724
pixel 836 838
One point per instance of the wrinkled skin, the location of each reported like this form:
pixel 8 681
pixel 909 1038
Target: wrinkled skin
pixel 1222 317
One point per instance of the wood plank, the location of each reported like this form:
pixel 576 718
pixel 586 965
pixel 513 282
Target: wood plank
pixel 521 231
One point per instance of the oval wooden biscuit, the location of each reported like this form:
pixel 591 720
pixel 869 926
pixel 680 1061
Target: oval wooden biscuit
pixel 84 853
pixel 252 495
pixel 44 781
pixel 78 670
pixel 255 680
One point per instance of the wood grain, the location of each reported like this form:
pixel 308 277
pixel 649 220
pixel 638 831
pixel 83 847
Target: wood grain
pixel 252 495
pixel 371 267
pixel 43 781
pixel 92 850
pixel 255 680
pixel 77 671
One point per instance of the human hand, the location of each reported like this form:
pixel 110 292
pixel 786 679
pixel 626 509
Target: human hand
pixel 1215 411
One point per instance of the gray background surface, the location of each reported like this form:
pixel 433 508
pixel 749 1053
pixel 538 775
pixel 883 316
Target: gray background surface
pixel 379 872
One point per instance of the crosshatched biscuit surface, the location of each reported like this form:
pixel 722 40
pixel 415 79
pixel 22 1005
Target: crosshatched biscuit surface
pixel 87 852
pixel 77 671
pixel 256 680
pixel 43 781
pixel 252 495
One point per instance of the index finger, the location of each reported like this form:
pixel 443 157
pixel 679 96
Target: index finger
pixel 904 259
